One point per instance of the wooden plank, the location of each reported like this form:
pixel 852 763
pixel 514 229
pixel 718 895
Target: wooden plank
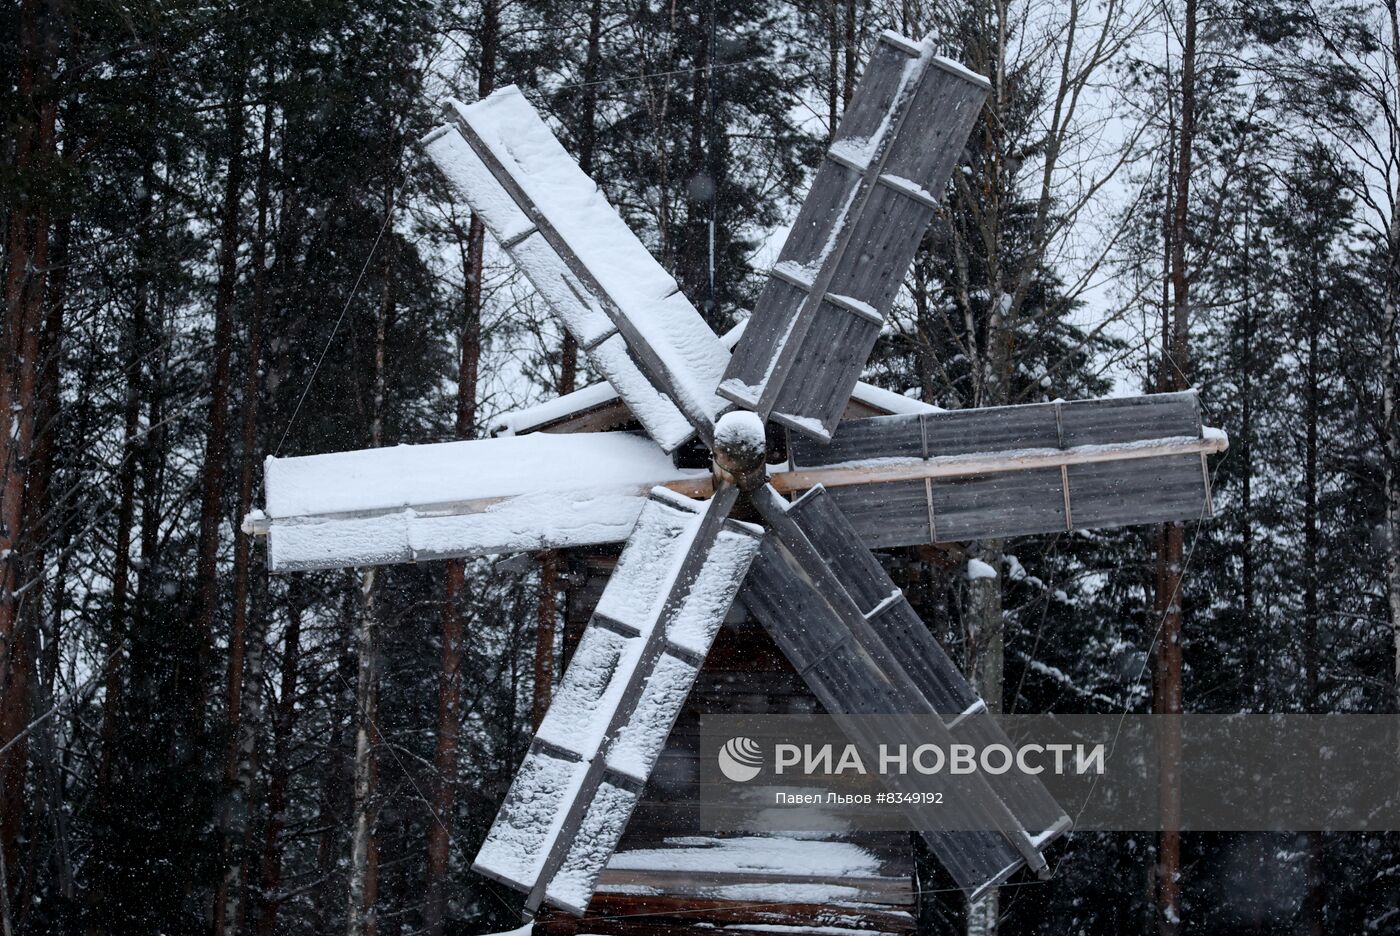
pixel 1012 504
pixel 887 515
pixel 791 368
pixel 827 365
pixel 666 341
pixel 813 570
pixel 1131 419
pixel 627 914
pixel 1153 490
pixel 622 691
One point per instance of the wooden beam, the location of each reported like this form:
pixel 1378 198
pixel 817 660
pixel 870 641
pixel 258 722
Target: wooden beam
pixel 837 276
pixel 960 466
pixel 900 490
pixel 792 482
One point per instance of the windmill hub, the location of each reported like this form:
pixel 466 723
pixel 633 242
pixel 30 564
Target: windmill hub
pixel 741 449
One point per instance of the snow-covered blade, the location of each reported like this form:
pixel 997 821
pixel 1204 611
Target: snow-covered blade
pixel 848 629
pixel 418 502
pixel 845 259
pixel 634 666
pixel 625 311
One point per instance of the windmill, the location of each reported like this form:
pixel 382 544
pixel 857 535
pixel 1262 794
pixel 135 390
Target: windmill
pixel 912 478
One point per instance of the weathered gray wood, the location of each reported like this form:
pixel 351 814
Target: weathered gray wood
pixel 1149 490
pixel 866 675
pixel 828 197
pixel 827 364
pixel 847 682
pixel 939 680
pixel 1024 795
pixel 860 253
pixel 984 506
pixel 887 233
pixel 885 515
pixel 994 429
pixel 1131 419
pixel 763 336
pixel 1137 487
pixel 905 644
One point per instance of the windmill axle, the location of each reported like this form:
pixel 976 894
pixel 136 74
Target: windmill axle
pixel 740 450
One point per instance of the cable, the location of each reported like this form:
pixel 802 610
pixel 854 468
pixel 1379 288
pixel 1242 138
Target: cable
pixel 326 348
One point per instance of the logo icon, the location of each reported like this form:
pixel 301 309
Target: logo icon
pixel 740 759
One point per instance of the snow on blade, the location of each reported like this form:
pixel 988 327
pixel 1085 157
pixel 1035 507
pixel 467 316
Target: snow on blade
pixel 617 701
pixel 637 295
pixel 414 502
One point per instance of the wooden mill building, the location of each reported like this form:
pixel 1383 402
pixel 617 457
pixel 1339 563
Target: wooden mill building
pixel 668 872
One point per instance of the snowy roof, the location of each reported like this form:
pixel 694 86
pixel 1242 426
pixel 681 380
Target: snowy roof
pixel 634 666
pixel 627 313
pixel 776 868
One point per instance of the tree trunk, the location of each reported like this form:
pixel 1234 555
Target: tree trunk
pixel 241 726
pixel 334 786
pixel 285 721
pixel 364 860
pixel 1315 898
pixel 216 426
pixel 51 802
pixel 27 256
pixel 1171 539
pixel 360 918
pixel 986 649
pixel 450 672
pixel 126 494
pixel 1390 387
pixel 848 87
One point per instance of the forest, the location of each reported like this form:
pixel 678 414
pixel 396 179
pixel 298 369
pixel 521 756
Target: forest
pixel 222 242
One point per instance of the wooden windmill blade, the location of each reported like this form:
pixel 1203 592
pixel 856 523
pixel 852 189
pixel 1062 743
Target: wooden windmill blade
pixel 990 473
pixel 412 503
pixel 606 726
pixel 626 312
pixel 844 261
pixel 861 649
